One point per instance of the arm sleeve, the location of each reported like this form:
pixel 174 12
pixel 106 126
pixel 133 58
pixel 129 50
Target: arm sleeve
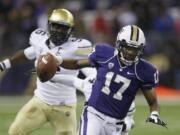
pixel 88 71
pixel 102 53
pixel 65 79
pixel 147 74
pixel 69 80
pixel 92 58
pixel 30 53
pixel 84 48
pixel 151 81
pixel 78 84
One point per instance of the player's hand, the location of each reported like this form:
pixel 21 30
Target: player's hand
pixel 58 57
pixel 154 118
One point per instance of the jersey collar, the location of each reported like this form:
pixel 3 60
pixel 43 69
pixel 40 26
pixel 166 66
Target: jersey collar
pixel 49 44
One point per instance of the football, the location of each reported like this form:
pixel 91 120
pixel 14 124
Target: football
pixel 47 66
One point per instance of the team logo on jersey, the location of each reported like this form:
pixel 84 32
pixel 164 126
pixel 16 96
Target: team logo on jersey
pixel 110 65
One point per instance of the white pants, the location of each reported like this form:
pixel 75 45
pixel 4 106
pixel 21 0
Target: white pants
pixel 95 123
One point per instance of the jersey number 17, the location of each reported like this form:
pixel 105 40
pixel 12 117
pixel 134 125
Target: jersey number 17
pixel 118 79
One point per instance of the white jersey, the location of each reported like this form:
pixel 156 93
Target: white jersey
pixel 51 92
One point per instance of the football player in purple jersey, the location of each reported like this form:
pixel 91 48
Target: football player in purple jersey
pixel 121 72
pixel 85 86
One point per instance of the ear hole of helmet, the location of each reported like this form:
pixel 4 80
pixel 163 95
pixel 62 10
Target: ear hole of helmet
pixel 120 44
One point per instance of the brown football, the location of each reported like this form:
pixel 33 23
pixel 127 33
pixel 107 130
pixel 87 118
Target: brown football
pixel 46 67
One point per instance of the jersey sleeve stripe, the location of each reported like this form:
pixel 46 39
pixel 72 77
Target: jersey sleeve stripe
pixel 85 47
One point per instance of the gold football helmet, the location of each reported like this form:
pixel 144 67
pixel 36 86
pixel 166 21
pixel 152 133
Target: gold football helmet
pixel 60 25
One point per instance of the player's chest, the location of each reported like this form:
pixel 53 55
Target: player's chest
pixel 65 51
pixel 113 75
pixel 114 68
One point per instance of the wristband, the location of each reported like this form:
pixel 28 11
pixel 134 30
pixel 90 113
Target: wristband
pixel 155 113
pixel 7 63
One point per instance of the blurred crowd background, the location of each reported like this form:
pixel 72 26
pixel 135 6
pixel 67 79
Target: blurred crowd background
pixel 98 21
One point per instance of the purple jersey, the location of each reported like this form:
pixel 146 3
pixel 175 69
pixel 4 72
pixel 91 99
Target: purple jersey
pixel 116 86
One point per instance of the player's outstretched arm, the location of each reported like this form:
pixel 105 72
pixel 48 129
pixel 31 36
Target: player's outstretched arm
pixel 154 117
pixel 68 80
pixel 18 58
pixel 75 64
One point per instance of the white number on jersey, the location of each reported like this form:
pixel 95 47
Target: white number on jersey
pixel 118 95
pixel 40 32
pixel 156 77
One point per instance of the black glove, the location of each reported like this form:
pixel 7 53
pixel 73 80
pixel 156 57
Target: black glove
pixel 154 118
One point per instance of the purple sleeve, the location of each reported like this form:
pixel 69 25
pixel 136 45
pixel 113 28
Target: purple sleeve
pixel 93 59
pixel 148 75
pixel 101 53
pixel 151 81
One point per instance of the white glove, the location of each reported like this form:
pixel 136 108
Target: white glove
pixel 154 118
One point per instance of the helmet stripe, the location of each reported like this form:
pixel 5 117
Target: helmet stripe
pixel 134 33
pixel 137 38
pixel 132 29
pixel 134 37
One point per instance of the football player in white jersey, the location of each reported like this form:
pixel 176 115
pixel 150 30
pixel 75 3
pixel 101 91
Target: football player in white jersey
pixel 85 86
pixel 52 102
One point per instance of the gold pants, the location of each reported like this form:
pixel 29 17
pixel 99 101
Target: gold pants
pixel 36 113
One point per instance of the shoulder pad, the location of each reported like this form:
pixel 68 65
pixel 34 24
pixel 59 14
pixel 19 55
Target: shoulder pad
pixel 147 73
pixel 80 42
pixel 104 52
pixel 84 43
pixel 37 36
pixel 84 47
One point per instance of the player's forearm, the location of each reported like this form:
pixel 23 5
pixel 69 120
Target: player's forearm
pixel 63 79
pixel 154 106
pixel 68 80
pixel 78 84
pixel 75 64
pixel 152 100
pixel 18 58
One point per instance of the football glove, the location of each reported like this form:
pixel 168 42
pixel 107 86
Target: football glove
pixel 154 118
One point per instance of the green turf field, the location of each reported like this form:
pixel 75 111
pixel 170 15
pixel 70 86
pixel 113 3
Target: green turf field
pixel 170 112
